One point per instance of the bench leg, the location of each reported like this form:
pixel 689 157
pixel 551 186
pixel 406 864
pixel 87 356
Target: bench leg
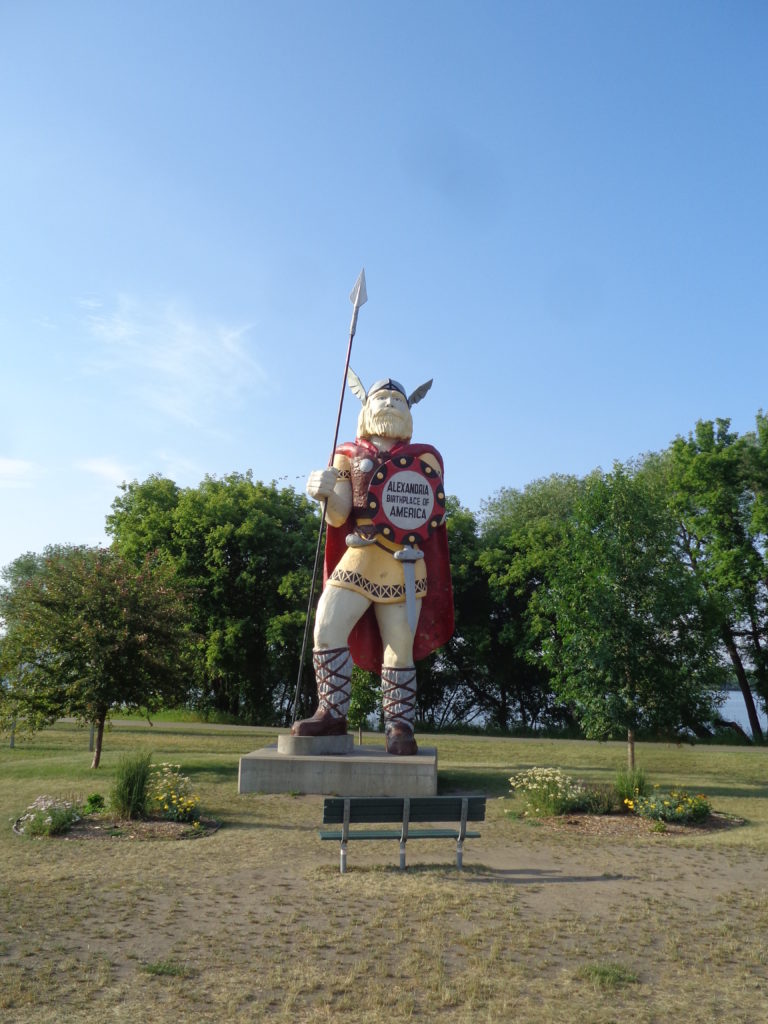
pixel 402 856
pixel 343 859
pixel 459 854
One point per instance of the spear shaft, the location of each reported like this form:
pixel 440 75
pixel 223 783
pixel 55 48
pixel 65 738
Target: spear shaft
pixel 358 296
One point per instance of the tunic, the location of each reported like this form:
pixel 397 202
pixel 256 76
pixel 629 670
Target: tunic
pixel 372 570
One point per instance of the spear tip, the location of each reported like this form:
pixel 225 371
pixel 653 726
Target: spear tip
pixel 359 296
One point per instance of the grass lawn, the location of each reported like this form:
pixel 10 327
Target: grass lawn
pixel 549 922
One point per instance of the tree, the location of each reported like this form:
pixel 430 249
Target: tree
pixel 14 576
pixel 522 535
pixel 246 549
pixel 364 699
pixel 87 630
pixel 631 647
pixel 142 517
pixel 450 680
pixel 719 489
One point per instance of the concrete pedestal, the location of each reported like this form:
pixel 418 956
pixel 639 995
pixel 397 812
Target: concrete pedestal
pixel 315 746
pixel 365 771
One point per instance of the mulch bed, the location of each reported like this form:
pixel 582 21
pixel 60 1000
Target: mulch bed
pixel 632 824
pixel 104 826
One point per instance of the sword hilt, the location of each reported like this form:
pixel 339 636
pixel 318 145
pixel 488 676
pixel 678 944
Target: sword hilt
pixel 409 555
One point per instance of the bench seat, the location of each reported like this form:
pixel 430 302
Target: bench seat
pixel 413 833
pixel 403 810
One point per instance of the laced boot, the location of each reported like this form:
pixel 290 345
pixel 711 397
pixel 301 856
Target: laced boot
pixel 398 698
pixel 333 671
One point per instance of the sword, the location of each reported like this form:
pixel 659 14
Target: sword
pixel 408 558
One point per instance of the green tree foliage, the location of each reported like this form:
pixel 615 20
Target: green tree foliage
pixel 246 549
pixel 718 486
pixel 631 648
pixel 142 517
pixel 522 536
pixel 598 601
pixel 86 630
pixel 36 715
pixel 364 698
pixel 450 680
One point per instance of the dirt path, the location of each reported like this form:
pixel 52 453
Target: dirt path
pixel 255 922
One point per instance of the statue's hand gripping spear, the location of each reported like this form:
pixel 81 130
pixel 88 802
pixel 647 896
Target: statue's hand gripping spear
pixel 358 297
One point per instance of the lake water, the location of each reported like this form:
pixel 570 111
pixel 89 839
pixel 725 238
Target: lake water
pixel 734 711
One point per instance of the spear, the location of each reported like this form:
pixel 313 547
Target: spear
pixel 358 297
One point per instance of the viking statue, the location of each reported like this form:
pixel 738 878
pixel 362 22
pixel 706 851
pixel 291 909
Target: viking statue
pixel 387 596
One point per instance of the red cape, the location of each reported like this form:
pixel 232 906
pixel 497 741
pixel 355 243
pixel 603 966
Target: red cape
pixel 435 625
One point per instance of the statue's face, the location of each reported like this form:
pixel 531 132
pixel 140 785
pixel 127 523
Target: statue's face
pixel 387 415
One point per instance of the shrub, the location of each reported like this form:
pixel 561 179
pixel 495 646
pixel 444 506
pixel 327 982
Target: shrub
pixel 48 816
pixel 546 791
pixel 675 806
pixel 128 797
pixel 94 804
pixel 170 794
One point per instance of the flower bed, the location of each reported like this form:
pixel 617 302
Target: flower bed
pixel 676 806
pixel 47 816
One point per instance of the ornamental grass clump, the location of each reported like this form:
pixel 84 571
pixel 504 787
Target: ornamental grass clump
pixel 547 791
pixel 48 816
pixel 598 799
pixel 631 783
pixel 128 798
pixel 675 806
pixel 170 794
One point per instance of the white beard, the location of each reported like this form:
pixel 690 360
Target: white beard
pixel 390 423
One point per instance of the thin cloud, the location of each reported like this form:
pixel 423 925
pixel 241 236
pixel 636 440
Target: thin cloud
pixel 106 469
pixel 184 368
pixel 178 467
pixel 15 473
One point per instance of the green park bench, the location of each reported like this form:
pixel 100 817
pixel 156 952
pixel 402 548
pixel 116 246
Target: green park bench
pixel 375 810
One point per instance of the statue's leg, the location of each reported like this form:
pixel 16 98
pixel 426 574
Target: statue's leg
pixel 398 678
pixel 337 612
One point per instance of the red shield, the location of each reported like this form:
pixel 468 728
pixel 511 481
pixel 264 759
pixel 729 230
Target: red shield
pixel 406 500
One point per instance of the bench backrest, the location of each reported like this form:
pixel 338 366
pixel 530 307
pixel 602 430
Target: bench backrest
pixel 422 808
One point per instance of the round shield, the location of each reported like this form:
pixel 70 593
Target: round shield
pixel 406 500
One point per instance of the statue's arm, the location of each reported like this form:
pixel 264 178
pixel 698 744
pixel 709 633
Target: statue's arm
pixel 333 486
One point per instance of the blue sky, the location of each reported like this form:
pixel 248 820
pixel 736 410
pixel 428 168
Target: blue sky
pixel 561 209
